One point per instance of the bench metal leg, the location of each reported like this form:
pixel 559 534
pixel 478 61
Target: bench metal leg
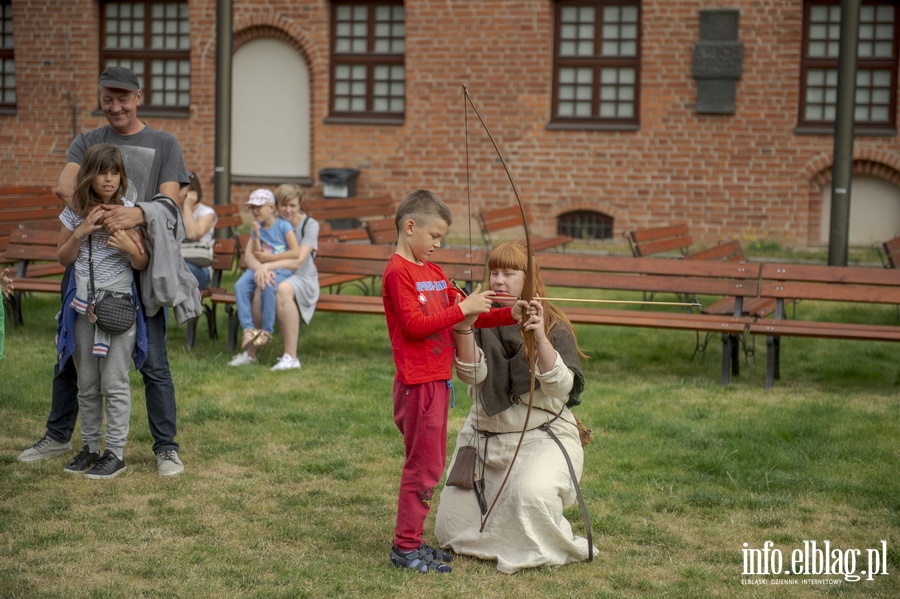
pixel 736 354
pixel 727 357
pixel 232 327
pixel 15 309
pixel 211 324
pixel 772 359
pixel 777 371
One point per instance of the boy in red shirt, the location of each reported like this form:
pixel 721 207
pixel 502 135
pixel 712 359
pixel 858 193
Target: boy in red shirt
pixel 420 306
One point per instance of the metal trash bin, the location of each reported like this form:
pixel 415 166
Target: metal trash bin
pixel 338 182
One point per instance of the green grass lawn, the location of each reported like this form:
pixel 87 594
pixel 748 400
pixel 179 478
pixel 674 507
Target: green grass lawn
pixel 291 478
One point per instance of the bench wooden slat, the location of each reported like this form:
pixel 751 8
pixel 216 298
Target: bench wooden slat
pixel 658 240
pixel 382 230
pixel 659 320
pixel 14 190
pixel 728 250
pixel 827 330
pixel 359 208
pixel 830 274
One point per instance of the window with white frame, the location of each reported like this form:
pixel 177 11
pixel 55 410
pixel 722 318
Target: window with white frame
pixel 368 45
pixel 153 40
pixel 877 61
pixel 596 63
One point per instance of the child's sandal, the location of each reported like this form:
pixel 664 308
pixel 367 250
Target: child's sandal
pixel 436 553
pixel 420 560
pixel 249 338
pixel 262 338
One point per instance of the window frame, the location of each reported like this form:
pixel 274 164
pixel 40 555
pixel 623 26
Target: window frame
pixel 147 55
pixel 807 63
pixel 8 53
pixel 597 62
pixel 369 60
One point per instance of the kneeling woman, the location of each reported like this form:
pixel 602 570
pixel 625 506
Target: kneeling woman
pixel 526 528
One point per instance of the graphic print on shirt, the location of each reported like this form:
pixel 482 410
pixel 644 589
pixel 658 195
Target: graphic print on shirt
pixel 433 298
pixel 138 165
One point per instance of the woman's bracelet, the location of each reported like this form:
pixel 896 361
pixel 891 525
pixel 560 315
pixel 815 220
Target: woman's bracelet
pixel 464 332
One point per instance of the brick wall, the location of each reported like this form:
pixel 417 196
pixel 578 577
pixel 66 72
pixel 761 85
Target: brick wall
pixel 746 174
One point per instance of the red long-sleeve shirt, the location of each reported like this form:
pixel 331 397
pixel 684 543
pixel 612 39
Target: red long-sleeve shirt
pixel 420 307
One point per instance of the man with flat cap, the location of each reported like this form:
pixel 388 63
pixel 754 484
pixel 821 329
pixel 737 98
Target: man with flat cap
pixel 155 165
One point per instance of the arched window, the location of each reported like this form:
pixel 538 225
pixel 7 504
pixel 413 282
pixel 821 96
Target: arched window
pixel 585 224
pixel 270 126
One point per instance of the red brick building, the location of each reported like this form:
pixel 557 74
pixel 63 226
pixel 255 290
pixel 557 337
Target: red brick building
pixel 598 106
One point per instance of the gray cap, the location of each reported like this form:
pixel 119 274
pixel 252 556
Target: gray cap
pixel 116 77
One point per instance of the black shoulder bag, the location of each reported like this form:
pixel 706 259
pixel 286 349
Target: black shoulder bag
pixel 116 312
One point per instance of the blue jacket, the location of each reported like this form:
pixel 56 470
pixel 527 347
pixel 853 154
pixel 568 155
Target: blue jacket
pixel 65 328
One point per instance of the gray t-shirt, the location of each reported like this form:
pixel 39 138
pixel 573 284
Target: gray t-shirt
pixel 151 158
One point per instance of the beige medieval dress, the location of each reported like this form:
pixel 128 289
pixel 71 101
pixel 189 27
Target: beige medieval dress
pixel 527 528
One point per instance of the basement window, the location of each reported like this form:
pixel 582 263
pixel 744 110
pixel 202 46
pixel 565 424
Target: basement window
pixel 585 224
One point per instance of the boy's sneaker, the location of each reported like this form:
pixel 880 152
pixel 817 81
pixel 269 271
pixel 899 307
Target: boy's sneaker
pixel 286 362
pixel 168 463
pixel 45 448
pixel 83 462
pixel 436 553
pixel 421 560
pixel 106 467
pixel 242 359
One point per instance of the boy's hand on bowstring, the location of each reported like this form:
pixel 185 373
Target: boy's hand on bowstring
pixel 521 311
pixel 478 302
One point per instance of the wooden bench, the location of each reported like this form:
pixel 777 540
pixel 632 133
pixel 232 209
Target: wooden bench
pixel 37 266
pixel 355 210
pixel 579 272
pixel 510 217
pixel 854 284
pixel 228 217
pixel 329 233
pixel 659 275
pixel 732 251
pixel 890 252
pixel 756 307
pixel 26 207
pixel 382 231
pixel 654 276
pixel 659 240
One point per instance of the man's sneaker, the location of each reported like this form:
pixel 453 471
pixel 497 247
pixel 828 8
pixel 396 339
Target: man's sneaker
pixel 420 560
pixel 83 462
pixel 45 448
pixel 242 359
pixel 168 463
pixel 106 467
pixel 286 362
